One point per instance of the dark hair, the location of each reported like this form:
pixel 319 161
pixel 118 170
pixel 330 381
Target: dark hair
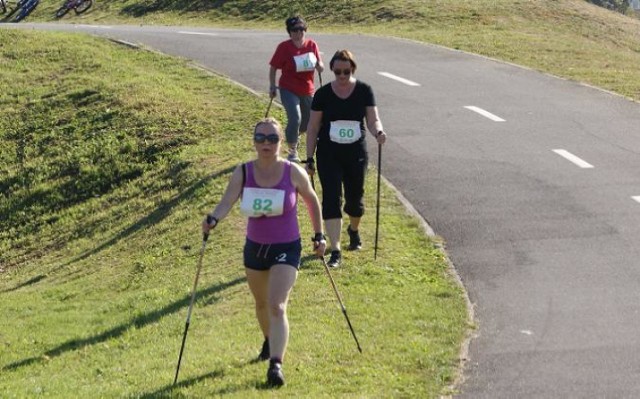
pixel 344 55
pixel 293 21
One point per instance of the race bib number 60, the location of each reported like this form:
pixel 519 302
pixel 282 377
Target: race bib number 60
pixel 257 202
pixel 345 132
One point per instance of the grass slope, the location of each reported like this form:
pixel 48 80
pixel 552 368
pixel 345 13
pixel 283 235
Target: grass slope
pixel 569 38
pixel 109 157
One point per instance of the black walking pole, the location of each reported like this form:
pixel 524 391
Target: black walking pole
pixel 266 114
pixel 375 250
pixel 205 237
pixel 344 310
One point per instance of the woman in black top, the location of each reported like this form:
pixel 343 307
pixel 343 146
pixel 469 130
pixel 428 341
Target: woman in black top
pixel 336 134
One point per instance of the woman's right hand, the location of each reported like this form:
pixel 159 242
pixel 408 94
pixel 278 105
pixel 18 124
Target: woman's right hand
pixel 209 223
pixel 273 91
pixel 310 166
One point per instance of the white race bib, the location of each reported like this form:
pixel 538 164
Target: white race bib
pixel 257 202
pixel 345 132
pixel 305 62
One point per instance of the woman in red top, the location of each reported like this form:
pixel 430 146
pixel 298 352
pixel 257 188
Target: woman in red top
pixel 296 58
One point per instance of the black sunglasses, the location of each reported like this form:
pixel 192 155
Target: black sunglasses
pixel 298 29
pixel 342 72
pixel 261 138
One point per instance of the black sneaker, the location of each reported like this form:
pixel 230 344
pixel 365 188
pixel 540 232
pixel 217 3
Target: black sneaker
pixel 334 259
pixel 354 239
pixel 275 378
pixel 265 353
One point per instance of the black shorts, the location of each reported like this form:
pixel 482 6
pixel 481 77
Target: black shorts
pixel 263 256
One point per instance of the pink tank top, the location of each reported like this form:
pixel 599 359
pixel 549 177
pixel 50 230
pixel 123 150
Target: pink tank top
pixel 276 229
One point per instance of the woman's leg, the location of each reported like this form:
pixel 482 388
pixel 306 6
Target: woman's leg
pixel 259 285
pixel 281 280
pixel 291 104
pixel 333 227
pixel 354 178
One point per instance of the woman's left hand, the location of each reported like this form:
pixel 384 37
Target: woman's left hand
pixel 381 137
pixel 320 247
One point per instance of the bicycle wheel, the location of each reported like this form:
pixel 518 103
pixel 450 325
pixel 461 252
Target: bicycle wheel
pixel 62 11
pixel 83 6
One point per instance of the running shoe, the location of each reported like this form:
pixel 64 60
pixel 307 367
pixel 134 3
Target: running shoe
pixel 334 259
pixel 275 377
pixel 354 239
pixel 265 353
pixel 293 155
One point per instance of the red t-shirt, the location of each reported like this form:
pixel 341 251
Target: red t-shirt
pixel 297 66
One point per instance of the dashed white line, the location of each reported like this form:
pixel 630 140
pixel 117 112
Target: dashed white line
pixel 399 79
pixel 636 198
pixel 484 113
pixel 95 26
pixel 186 32
pixel 572 158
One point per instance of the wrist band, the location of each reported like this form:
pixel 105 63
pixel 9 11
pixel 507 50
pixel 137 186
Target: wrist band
pixel 211 218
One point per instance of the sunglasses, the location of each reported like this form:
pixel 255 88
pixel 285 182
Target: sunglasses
pixel 261 138
pixel 339 72
pixel 298 29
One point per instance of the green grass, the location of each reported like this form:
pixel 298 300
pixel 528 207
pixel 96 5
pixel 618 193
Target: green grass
pixel 107 163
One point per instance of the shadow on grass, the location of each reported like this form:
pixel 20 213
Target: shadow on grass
pixel 118 331
pixel 153 218
pixel 25 284
pixel 143 8
pixel 168 390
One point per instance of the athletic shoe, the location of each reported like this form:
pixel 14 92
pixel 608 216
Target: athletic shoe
pixel 293 155
pixel 354 239
pixel 334 260
pixel 275 377
pixel 264 353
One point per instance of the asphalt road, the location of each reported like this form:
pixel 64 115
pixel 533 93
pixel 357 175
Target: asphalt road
pixel 533 191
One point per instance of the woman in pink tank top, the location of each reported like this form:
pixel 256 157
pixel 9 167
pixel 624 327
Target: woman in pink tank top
pixel 268 188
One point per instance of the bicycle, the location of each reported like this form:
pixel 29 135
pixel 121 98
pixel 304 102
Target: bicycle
pixel 24 8
pixel 79 6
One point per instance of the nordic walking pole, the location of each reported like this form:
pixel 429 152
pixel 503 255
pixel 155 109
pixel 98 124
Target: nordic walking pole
pixel 205 237
pixel 266 114
pixel 375 248
pixel 344 310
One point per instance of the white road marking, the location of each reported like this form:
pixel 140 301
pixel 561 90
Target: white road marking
pixel 526 332
pixel 570 157
pixel 398 78
pixel 484 113
pixel 186 32
pixel 95 26
pixel 636 198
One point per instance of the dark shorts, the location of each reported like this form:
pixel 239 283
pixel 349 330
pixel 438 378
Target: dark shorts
pixel 263 256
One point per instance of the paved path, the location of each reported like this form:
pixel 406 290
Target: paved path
pixel 533 181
